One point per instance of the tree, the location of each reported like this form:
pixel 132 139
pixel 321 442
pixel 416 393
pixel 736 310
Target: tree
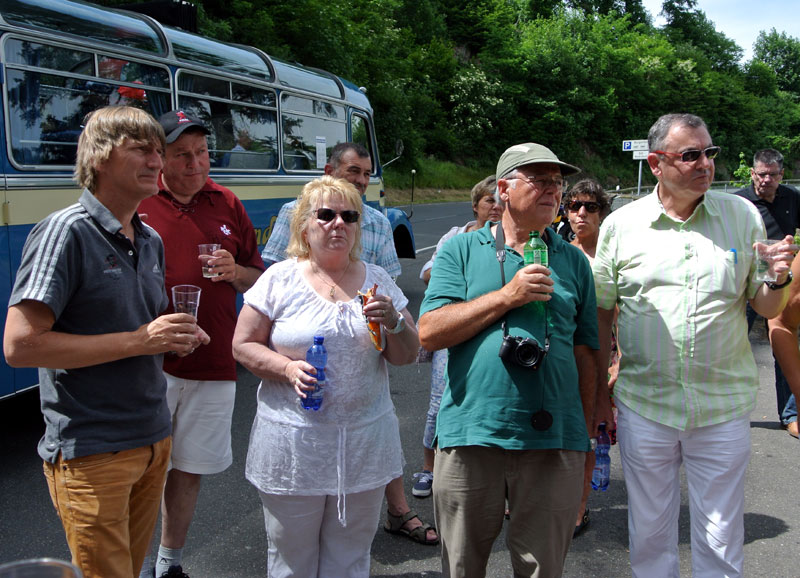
pixel 686 25
pixel 782 54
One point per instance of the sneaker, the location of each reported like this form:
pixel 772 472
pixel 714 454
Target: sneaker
pixel 175 572
pixel 424 483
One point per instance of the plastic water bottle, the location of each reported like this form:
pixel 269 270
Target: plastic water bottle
pixel 318 357
pixel 535 253
pixel 602 462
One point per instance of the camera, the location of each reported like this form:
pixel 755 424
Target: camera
pixel 522 351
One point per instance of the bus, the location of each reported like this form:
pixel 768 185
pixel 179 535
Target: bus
pixel 273 123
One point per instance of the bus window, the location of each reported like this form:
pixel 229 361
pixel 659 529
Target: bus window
pixel 242 137
pixel 128 71
pixel 308 124
pixel 85 22
pixel 203 85
pixel 47 111
pixel 47 104
pixel 52 57
pixel 359 129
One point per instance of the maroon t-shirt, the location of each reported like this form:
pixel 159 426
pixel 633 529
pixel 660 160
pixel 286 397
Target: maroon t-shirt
pixel 215 215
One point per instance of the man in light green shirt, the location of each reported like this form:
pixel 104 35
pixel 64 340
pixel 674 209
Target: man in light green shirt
pixel 680 266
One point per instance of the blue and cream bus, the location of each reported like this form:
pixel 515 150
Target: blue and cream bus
pixel 272 123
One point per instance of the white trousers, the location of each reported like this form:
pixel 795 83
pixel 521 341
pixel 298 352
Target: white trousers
pixel 715 458
pixel 305 538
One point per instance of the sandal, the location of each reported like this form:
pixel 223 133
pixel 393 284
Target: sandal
pixel 394 525
pixel 579 528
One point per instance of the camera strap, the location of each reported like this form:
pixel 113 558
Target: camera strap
pixel 500 251
pixel 541 420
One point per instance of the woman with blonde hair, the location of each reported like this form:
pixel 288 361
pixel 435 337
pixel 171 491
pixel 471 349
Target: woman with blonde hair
pixel 321 474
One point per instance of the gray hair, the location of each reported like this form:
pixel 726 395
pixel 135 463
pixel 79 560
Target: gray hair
pixel 342 148
pixel 656 138
pixel 768 157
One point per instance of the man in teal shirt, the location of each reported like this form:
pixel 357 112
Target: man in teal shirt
pixel 505 430
pixel 679 265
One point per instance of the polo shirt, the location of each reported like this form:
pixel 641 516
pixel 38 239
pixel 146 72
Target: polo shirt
pixel 377 239
pixel 782 215
pixel 215 215
pixel 78 263
pixel 486 401
pixel 681 288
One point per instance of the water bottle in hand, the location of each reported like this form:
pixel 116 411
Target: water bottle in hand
pixel 535 253
pixel 602 461
pixel 317 356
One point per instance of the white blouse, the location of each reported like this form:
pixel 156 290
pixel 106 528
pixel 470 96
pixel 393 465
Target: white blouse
pixel 352 444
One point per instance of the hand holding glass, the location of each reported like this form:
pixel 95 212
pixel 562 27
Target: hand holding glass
pixel 766 251
pixel 186 299
pixel 206 252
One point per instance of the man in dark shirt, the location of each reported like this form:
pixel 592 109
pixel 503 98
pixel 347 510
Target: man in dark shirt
pixel 779 206
pixel 86 309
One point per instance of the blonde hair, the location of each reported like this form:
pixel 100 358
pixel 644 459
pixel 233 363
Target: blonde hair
pixel 106 128
pixel 313 196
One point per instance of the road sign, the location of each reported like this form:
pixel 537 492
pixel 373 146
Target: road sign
pixel 634 145
pixel 640 155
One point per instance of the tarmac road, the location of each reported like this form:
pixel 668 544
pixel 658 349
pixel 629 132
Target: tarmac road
pixel 227 538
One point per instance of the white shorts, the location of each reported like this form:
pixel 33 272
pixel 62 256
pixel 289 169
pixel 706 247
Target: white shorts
pixel 202 412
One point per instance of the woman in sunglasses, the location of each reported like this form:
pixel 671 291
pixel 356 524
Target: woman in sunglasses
pixel 321 474
pixel 586 205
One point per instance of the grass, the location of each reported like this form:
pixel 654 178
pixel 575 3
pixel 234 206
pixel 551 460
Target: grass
pixel 434 182
pixel 395 197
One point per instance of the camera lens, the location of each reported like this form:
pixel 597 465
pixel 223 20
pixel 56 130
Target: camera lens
pixel 527 353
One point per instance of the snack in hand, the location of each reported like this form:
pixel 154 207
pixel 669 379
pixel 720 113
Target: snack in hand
pixel 373 326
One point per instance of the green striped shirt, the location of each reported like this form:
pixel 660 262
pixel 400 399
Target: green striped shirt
pixel 681 288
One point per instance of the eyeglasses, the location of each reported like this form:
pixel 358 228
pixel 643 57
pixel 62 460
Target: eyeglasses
pixel 591 206
pixel 543 182
pixel 329 215
pixel 693 155
pixel 763 176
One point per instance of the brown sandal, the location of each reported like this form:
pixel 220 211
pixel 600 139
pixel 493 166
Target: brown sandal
pixel 394 525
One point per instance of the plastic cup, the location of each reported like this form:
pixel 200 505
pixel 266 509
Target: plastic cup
pixel 186 299
pixel 206 252
pixel 765 260
pixel 39 568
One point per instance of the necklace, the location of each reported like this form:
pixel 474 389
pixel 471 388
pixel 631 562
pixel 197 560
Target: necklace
pixel 332 291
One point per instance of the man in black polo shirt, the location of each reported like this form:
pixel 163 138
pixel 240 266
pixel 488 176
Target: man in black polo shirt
pixel 779 206
pixel 85 310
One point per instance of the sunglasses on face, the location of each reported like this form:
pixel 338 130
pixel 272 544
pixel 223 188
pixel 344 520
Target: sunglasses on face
pixel 590 206
pixel 329 215
pixel 693 155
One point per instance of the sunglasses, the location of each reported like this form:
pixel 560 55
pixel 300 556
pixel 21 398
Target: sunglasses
pixel 591 206
pixel 693 155
pixel 329 215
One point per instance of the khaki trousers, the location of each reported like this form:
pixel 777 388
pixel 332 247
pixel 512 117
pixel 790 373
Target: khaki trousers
pixel 108 505
pixel 470 485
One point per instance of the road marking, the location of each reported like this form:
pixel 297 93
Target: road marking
pixel 425 249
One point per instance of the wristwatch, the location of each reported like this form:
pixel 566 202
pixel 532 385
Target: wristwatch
pixel 775 286
pixel 401 324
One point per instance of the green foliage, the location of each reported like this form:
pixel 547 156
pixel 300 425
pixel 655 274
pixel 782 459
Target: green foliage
pixel 782 54
pixel 461 80
pixel 742 173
